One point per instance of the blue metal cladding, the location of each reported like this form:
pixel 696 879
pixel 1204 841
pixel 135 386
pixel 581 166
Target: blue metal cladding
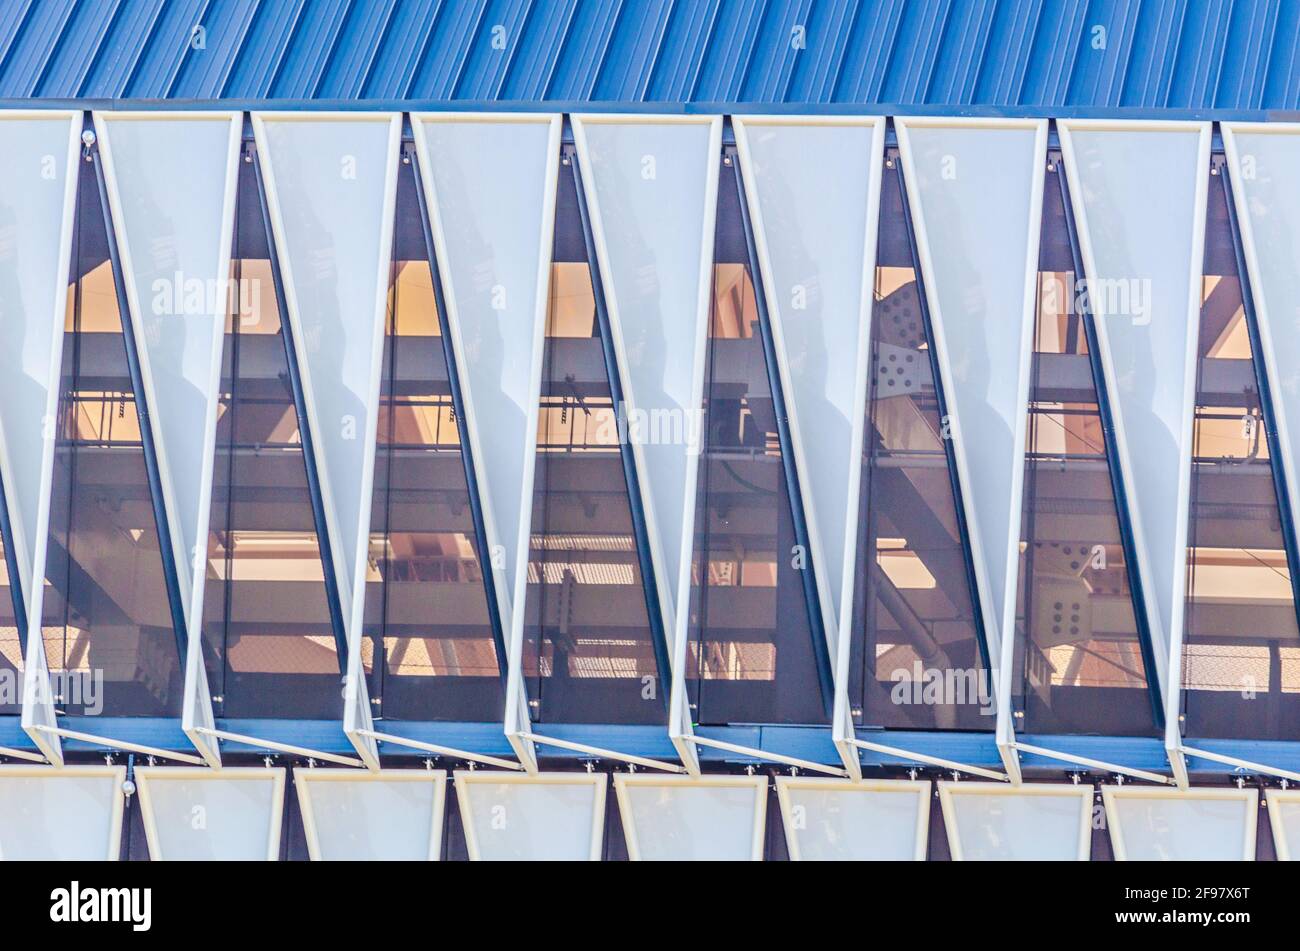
pixel 1211 58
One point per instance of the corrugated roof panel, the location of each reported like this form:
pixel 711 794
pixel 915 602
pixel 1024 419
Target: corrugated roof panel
pixel 205 71
pixel 38 37
pixel 1063 56
pixel 265 50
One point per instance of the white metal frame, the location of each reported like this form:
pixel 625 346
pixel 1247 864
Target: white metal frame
pixel 466 778
pixel 113 846
pixel 1276 799
pixel 919 787
pixel 349 567
pixel 997 608
pixel 144 775
pixel 303 779
pixel 1112 794
pixel 1171 642
pixel 948 791
pixel 836 618
pixel 38 704
pixel 190 566
pixel 758 783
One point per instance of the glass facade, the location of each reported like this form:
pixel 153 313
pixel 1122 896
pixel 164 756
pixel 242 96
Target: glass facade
pixel 1080 666
pixel 755 665
pixel 1241 661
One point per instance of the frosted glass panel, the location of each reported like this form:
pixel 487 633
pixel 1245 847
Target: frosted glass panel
pixel 380 817
pixel 976 196
pixel 38 170
pixel 539 818
pixel 173 181
pixel 652 190
pixel 1284 817
pixel 838 821
pixel 693 820
pixel 810 189
pixel 1182 827
pixel 492 201
pixel 1135 196
pixel 60 816
pixel 1264 169
pixel 993 822
pixel 204 815
pixel 333 187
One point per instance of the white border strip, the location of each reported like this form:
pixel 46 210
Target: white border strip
pixel 920 787
pixel 1112 794
pixel 947 792
pixel 147 774
pixel 467 778
pixel 758 783
pixel 304 778
pixel 113 847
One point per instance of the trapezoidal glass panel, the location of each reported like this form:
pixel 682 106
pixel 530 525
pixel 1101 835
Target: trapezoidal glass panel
pixel 751 656
pixel 269 644
pixel 1079 665
pixel 106 621
pixel 426 597
pixel 589 656
pixel 1241 657
pixel 917 660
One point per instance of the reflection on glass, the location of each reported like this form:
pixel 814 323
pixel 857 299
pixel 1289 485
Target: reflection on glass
pixel 1079 661
pixel 269 644
pixel 588 653
pixel 751 654
pixel 106 616
pixel 425 593
pixel 916 656
pixel 1241 645
pixel 11 652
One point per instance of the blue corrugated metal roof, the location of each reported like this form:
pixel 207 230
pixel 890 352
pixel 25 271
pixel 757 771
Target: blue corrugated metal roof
pixel 1220 57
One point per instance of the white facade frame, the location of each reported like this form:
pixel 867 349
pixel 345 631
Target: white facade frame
pixel 113 847
pixel 349 567
pixel 997 608
pixel 1111 794
pixel 836 618
pixel 304 778
pixel 920 787
pixel 467 778
pixel 947 791
pixel 758 783
pixel 38 718
pixel 1171 643
pixel 147 774
pixel 190 566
